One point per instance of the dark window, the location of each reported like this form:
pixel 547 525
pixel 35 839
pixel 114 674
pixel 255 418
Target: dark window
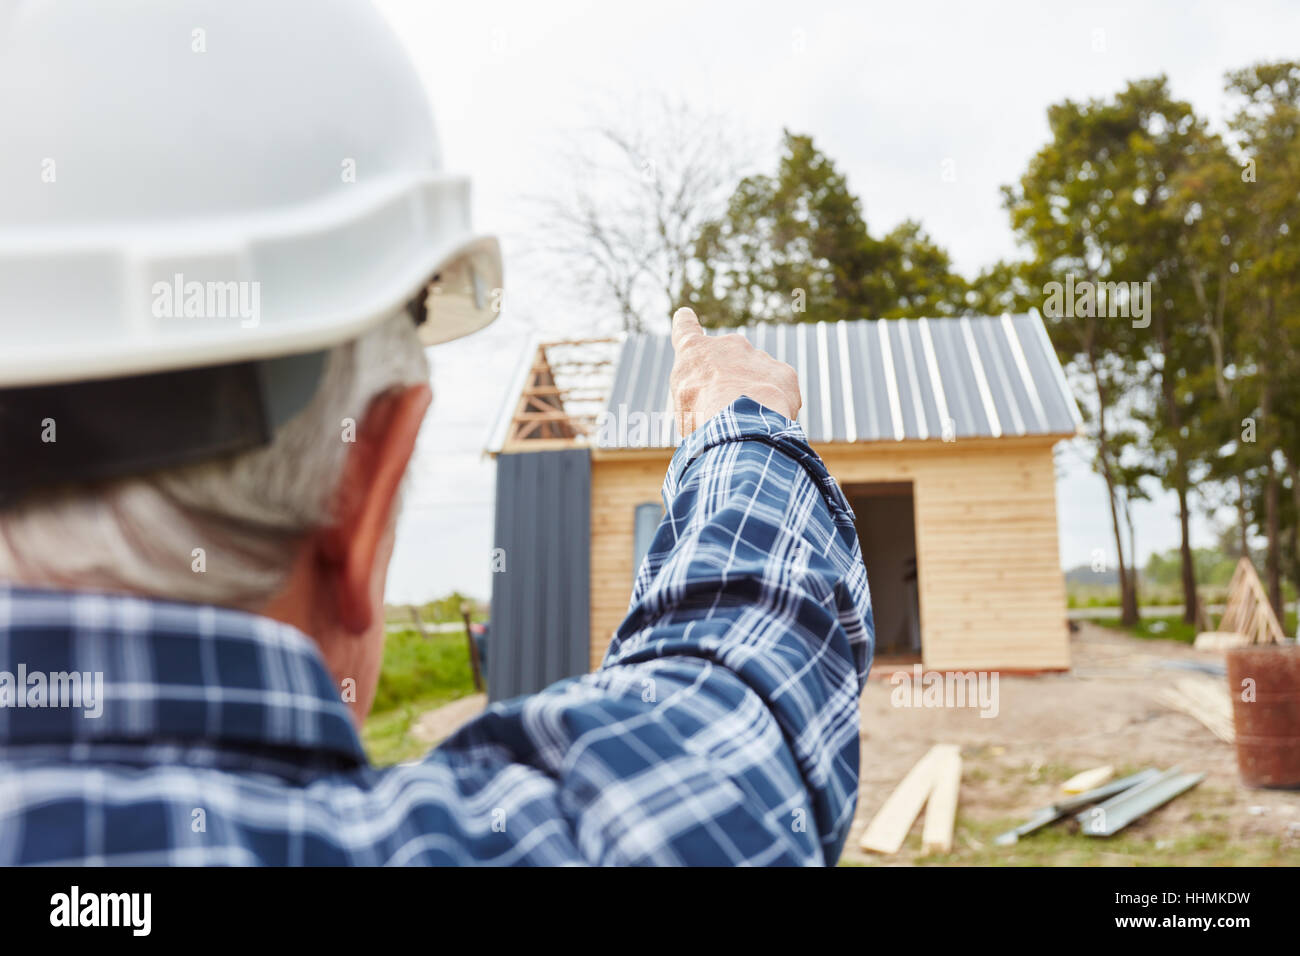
pixel 648 517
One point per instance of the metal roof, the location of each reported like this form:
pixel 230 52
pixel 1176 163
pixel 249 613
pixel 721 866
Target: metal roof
pixel 876 380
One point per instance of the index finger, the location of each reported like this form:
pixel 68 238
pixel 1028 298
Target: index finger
pixel 685 324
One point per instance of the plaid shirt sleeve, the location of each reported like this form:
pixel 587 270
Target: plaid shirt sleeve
pixel 722 727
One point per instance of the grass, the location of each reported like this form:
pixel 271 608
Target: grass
pixel 1173 628
pixel 1062 845
pixel 418 675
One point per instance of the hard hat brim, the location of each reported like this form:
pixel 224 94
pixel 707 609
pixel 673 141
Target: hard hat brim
pixel 464 294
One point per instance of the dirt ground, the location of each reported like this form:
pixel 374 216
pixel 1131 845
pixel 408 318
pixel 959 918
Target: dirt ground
pixel 1052 726
pixel 434 726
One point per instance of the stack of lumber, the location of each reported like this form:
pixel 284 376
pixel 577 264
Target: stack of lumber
pixel 1220 640
pixel 933 782
pixel 1248 617
pixel 1205 699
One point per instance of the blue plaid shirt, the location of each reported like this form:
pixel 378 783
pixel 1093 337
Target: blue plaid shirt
pixel 722 727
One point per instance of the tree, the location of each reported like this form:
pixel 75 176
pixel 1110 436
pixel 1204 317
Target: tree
pixel 1092 208
pixel 1130 473
pixel 1210 200
pixel 1002 287
pixel 636 189
pixel 794 246
pixel 1266 130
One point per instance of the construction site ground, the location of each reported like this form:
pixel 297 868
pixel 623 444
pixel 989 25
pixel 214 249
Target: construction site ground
pixel 1052 726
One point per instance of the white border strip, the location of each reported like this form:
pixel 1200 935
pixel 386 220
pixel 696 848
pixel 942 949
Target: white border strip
pixel 868 393
pixel 1026 379
pixel 982 383
pixel 891 383
pixel 932 366
pixel 824 382
pixel 846 381
pixel 801 350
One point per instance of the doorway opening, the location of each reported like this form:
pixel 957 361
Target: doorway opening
pixel 886 522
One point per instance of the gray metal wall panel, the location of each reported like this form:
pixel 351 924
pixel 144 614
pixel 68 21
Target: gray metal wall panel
pixel 540 604
pixel 505 614
pixel 577 562
pixel 529 563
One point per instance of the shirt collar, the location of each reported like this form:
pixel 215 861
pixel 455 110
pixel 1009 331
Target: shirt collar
pixel 154 670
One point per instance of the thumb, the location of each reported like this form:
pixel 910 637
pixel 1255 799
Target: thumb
pixel 685 324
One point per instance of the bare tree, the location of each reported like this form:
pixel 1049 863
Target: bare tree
pixel 632 191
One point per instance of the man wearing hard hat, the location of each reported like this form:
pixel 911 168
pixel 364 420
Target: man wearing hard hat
pixel 225 238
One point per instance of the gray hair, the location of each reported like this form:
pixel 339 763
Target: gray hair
pixel 247 513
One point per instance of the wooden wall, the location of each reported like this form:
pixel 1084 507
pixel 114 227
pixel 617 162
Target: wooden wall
pixel 992 591
pixel 618 485
pixel 992 594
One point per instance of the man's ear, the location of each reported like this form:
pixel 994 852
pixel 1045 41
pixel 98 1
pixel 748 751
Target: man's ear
pixel 372 474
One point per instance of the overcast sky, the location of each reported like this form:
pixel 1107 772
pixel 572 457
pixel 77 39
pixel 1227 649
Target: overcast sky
pixel 890 91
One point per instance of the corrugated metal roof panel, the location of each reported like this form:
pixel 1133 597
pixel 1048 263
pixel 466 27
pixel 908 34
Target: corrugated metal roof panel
pixel 885 380
pixel 961 375
pixel 541 597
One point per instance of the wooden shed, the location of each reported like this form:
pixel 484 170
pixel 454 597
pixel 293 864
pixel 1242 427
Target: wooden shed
pixel 940 432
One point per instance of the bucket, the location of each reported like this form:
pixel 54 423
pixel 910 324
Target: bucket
pixel 1267 727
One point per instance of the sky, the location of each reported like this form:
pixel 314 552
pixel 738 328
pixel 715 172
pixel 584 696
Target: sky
pixel 897 94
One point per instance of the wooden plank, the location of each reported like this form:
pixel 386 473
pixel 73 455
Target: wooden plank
pixel 888 828
pixel 1248 610
pixel 1195 705
pixel 1088 779
pixel 1219 640
pixel 1209 693
pixel 941 808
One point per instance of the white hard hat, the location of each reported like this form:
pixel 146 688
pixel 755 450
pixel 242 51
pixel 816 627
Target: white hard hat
pixel 191 184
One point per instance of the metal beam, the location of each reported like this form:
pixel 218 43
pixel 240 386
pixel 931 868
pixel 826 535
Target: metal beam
pixel 1063 808
pixel 1122 809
